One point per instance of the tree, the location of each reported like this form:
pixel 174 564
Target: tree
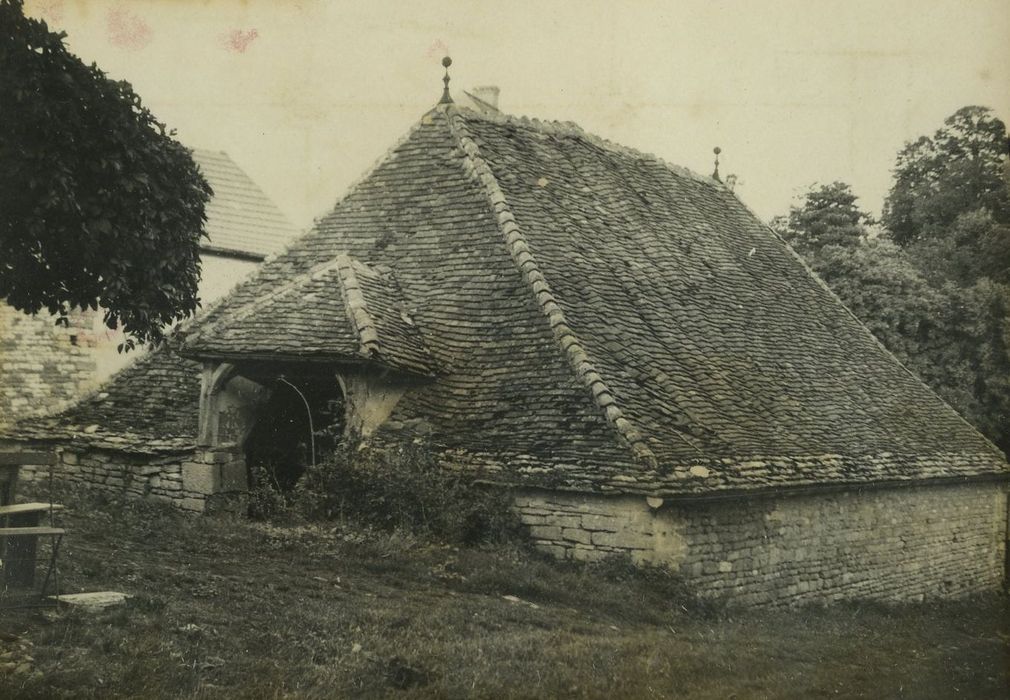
pixel 973 247
pixel 99 205
pixel 960 169
pixel 954 336
pixel 827 215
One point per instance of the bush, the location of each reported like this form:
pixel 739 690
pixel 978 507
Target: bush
pixel 267 499
pixel 399 488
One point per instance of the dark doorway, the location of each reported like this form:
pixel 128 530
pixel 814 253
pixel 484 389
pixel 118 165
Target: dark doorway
pixel 301 423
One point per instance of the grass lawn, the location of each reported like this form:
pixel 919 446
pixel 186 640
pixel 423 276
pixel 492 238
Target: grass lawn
pixel 230 608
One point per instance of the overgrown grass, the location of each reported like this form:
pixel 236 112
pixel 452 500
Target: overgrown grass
pixel 231 608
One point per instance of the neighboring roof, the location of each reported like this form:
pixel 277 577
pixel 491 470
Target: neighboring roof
pixel 241 219
pixel 152 405
pixel 598 320
pixel 341 311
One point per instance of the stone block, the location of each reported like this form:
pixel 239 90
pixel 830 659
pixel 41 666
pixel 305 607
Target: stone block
pixel 625 539
pixel 545 532
pixel 574 535
pixel 199 478
pixel 604 523
pixel 70 458
pixel 554 550
pixel 216 457
pixel 234 476
pixel 195 505
pixel 586 554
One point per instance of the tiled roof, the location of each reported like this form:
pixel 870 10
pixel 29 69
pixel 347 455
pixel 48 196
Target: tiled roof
pixel 240 217
pixel 595 311
pixel 339 311
pixel 598 320
pixel 150 406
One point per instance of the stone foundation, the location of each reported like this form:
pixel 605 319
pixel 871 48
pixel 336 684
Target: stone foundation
pixel 198 481
pixel 893 544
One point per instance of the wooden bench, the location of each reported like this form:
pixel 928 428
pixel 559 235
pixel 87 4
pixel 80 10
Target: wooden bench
pixel 19 538
pixel 23 509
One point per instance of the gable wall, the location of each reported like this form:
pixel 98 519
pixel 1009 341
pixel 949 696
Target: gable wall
pixel 892 544
pixel 42 366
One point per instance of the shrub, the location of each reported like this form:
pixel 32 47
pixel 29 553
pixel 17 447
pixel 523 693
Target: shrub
pixel 267 499
pixel 404 488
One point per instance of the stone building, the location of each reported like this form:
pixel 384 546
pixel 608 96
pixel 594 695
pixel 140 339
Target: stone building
pixel 620 341
pixel 44 367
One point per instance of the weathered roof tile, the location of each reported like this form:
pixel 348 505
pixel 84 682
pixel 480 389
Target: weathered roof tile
pixel 599 320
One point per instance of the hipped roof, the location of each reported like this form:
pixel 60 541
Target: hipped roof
pixel 592 305
pixel 599 319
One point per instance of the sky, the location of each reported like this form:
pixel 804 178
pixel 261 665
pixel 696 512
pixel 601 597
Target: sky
pixel 306 96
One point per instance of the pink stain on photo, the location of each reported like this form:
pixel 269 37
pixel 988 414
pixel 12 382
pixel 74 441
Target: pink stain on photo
pixel 238 40
pixel 438 49
pixel 127 30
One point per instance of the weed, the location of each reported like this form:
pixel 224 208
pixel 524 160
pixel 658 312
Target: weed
pixel 404 488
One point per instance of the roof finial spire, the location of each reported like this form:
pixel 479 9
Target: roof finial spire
pixel 446 99
pixel 715 173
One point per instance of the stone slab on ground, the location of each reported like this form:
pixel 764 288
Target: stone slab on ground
pixel 95 601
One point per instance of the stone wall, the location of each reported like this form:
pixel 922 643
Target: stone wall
pixel 199 481
pixel 42 366
pixel 897 544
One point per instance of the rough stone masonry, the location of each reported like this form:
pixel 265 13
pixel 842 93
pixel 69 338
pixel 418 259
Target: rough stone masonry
pixel 897 544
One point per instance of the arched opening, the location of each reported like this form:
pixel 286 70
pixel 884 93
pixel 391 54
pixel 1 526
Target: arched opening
pixel 300 422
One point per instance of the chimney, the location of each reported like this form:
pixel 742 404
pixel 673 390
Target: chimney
pixel 485 97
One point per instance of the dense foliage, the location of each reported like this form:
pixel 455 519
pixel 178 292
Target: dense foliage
pixel 99 206
pixel 941 301
pixel 957 170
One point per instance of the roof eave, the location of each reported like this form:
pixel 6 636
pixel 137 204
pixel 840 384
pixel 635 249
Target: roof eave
pixel 315 359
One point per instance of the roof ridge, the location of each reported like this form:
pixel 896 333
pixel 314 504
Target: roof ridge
pixel 570 128
pixel 518 249
pixel 357 308
pixel 258 302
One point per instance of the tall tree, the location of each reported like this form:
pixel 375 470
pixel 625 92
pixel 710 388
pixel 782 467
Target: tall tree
pixel 955 337
pixel 957 170
pixel 99 205
pixel 827 215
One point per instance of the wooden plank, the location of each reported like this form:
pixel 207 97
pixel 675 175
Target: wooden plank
pixel 13 459
pixel 25 531
pixel 19 508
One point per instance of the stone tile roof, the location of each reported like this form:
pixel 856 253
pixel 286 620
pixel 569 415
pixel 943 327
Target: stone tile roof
pixel 150 406
pixel 592 306
pixel 340 311
pixel 241 219
pixel 602 320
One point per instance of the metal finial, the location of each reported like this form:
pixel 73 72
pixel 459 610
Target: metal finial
pixel 446 98
pixel 715 173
